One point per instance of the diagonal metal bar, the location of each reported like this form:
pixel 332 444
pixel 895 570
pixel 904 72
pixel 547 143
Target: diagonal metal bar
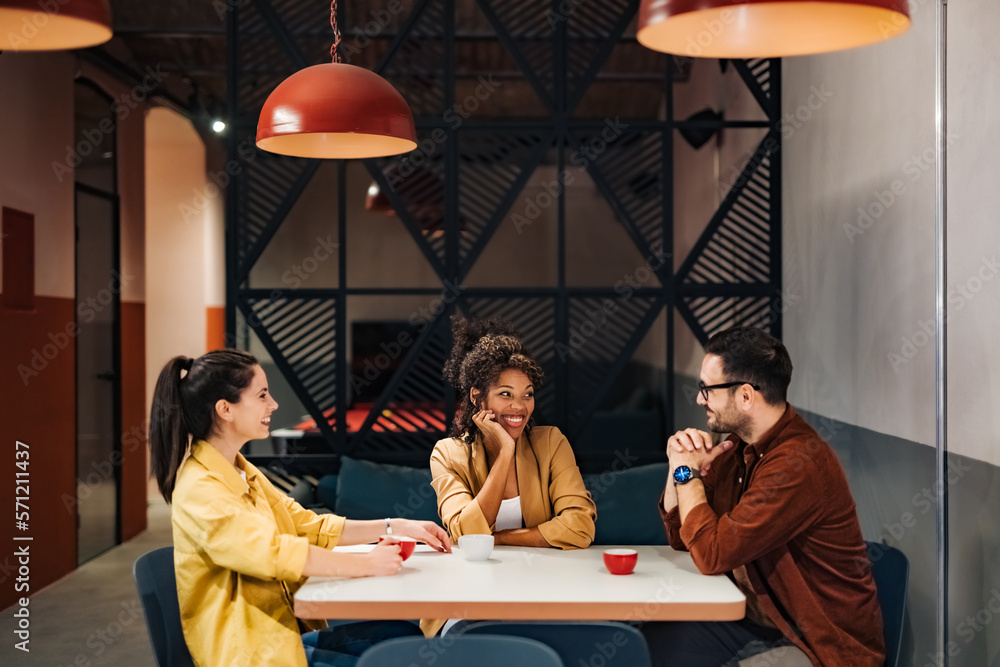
pixel 287 371
pixel 402 35
pixel 287 42
pixel 410 359
pixel 692 321
pixel 508 42
pixel 727 204
pixel 602 55
pixel 407 219
pixel 289 201
pixel 626 353
pixel 505 204
pixel 616 207
pixel 767 103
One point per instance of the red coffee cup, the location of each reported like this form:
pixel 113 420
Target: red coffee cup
pixel 406 544
pixel 620 561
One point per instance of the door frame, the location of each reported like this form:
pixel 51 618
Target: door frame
pixel 116 382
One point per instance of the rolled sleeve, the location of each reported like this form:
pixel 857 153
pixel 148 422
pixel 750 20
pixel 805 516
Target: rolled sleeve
pixel 322 530
pixel 671 525
pixel 457 505
pixel 573 523
pixel 775 508
pixel 234 536
pixel 290 560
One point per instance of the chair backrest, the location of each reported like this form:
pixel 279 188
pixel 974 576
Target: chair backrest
pixel 584 642
pixel 154 579
pixel 461 651
pixel 891 571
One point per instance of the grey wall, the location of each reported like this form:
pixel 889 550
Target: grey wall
pixel 859 258
pixel 895 504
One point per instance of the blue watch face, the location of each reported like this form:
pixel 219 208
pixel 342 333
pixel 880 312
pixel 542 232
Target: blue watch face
pixel 682 475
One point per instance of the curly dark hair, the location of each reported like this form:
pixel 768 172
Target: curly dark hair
pixel 483 350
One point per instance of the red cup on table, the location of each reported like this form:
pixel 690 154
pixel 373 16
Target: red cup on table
pixel 406 544
pixel 620 561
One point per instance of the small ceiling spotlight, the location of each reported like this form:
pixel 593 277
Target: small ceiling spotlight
pixel 218 126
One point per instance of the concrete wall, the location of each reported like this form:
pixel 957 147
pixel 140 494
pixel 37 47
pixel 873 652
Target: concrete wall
pixel 859 252
pixel 973 319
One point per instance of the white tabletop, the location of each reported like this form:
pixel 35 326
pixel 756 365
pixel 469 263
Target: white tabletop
pixel 528 584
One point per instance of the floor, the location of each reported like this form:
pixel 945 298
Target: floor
pixel 92 616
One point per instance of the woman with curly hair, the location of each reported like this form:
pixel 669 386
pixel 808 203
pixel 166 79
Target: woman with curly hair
pixel 499 475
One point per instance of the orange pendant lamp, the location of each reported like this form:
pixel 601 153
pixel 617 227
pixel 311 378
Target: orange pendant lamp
pixel 767 28
pixel 336 111
pixel 34 25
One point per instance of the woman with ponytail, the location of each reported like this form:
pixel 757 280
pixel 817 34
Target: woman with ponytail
pixel 241 547
pixel 498 475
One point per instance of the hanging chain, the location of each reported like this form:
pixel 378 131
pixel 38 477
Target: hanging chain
pixel 335 49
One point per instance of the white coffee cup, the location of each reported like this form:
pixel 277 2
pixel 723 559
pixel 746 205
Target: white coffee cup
pixel 476 547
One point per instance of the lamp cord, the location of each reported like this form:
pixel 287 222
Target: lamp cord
pixel 335 49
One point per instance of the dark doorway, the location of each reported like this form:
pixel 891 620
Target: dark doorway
pixel 98 387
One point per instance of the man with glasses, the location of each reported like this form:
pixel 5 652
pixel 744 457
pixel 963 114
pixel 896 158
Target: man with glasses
pixel 770 507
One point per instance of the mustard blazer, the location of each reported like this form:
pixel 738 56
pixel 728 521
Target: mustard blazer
pixel 553 497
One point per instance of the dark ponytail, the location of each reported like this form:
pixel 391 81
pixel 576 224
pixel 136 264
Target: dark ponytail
pixel 184 406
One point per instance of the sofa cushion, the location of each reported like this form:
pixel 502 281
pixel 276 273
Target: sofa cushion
pixel 367 490
pixel 326 491
pixel 626 504
pixel 595 445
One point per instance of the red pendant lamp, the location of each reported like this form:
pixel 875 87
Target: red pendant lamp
pixel 31 25
pixel 336 111
pixel 767 28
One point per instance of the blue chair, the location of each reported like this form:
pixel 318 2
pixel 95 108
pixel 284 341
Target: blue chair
pixel 891 571
pixel 460 651
pixel 154 578
pixel 617 644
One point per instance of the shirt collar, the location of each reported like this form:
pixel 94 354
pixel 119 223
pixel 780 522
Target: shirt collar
pixel 209 456
pixel 766 441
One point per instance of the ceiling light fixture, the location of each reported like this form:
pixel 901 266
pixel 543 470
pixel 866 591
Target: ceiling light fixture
pixel 767 28
pixel 27 25
pixel 218 126
pixel 336 111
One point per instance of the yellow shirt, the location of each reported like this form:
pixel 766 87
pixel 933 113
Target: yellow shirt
pixel 553 496
pixel 239 550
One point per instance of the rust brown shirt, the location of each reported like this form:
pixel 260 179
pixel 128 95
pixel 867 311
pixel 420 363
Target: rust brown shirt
pixel 782 508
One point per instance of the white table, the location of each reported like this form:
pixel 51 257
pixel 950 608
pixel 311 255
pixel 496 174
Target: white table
pixel 523 583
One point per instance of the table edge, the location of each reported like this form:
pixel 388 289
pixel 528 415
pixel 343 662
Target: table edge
pixel 615 611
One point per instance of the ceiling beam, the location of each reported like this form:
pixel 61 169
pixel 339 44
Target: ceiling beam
pixel 125 73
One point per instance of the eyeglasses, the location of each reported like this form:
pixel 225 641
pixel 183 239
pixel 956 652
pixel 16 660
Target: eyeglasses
pixel 705 388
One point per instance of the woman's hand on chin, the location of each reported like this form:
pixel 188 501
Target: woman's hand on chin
pixel 495 438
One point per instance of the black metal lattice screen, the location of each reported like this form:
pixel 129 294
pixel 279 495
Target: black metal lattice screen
pixel 465 180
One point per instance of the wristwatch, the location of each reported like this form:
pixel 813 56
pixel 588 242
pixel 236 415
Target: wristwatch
pixel 684 474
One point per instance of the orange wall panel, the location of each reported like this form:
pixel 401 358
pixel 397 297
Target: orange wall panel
pixel 39 408
pixel 215 328
pixel 134 424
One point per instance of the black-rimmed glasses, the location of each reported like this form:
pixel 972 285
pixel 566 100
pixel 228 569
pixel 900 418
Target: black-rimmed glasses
pixel 705 388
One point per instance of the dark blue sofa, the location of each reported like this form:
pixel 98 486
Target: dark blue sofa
pixel 625 493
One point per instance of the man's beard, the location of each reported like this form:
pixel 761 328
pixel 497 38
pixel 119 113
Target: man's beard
pixel 727 423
